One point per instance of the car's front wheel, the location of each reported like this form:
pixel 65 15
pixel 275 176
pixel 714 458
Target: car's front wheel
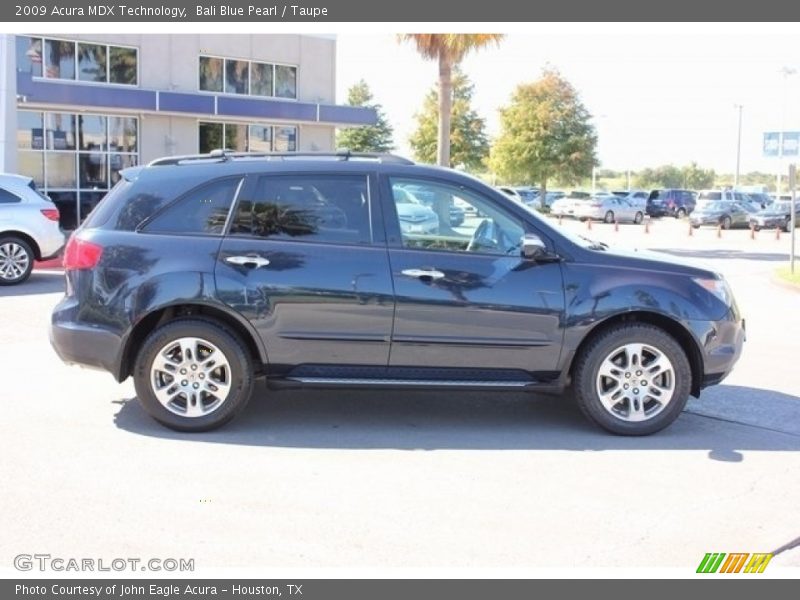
pixel 632 380
pixel 16 260
pixel 193 375
pixel 681 213
pixel 726 223
pixel 609 218
pixel 638 218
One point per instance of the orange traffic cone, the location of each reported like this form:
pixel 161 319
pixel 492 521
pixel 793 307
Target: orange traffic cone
pixel 589 224
pixel 616 224
pixel 777 233
pixel 719 231
pixel 691 230
pixel 752 232
pixel 559 219
pixel 647 226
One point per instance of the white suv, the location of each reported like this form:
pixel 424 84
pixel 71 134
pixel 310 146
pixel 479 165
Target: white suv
pixel 28 228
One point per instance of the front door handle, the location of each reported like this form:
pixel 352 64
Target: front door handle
pixel 423 273
pixel 254 262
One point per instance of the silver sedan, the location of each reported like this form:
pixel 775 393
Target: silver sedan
pixel 609 209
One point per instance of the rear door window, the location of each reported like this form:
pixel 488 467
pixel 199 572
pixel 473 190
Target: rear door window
pixel 314 208
pixel 203 210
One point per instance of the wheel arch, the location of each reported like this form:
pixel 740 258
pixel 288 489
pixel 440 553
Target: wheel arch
pixel 166 314
pixel 27 238
pixel 670 326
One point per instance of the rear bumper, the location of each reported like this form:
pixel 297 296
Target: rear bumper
pixel 85 345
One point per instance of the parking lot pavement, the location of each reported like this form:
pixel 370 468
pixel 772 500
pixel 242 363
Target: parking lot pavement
pixel 424 479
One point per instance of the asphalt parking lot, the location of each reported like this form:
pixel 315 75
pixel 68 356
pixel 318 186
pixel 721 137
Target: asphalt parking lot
pixel 423 479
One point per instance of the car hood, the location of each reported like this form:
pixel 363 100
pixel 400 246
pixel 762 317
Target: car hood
pixel 650 260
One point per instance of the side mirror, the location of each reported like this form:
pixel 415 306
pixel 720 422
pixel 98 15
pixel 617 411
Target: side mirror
pixel 532 247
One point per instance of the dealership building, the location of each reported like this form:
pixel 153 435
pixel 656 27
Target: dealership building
pixel 77 109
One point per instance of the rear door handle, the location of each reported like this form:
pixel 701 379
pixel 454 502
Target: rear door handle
pixel 423 273
pixel 254 262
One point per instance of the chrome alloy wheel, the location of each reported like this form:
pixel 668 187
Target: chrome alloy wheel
pixel 191 377
pixel 635 382
pixel 14 261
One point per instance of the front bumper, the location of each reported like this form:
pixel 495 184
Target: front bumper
pixel 721 345
pixel 697 221
pixel 769 223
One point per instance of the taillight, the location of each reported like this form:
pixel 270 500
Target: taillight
pixel 80 254
pixel 51 213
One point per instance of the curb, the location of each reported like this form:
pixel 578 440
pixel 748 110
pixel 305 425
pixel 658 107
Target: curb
pixel 787 285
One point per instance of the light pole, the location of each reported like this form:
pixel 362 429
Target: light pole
pixel 738 145
pixel 786 72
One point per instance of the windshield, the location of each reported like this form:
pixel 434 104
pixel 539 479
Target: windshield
pixel 710 196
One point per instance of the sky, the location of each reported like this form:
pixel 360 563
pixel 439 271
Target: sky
pixel 656 98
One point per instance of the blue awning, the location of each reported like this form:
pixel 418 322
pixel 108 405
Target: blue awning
pixel 38 91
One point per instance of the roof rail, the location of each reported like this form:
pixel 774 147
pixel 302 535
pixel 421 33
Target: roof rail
pixel 225 155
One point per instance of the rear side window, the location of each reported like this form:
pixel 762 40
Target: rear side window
pixel 203 210
pixel 314 208
pixel 710 196
pixel 7 197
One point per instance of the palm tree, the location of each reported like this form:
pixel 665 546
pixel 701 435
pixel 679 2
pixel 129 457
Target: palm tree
pixel 449 49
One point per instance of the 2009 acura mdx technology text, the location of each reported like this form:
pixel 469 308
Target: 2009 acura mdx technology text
pixel 196 275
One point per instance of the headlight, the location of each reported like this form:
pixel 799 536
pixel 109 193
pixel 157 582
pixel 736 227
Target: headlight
pixel 718 287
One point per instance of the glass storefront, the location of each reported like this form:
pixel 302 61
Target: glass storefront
pixel 213 135
pixel 75 158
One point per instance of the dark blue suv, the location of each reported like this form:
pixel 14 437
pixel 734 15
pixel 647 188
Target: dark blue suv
pixel 196 275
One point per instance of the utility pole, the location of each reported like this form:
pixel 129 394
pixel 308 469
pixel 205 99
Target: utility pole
pixel 738 145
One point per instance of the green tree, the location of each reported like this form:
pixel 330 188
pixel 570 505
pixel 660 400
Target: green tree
pixel 469 144
pixel 448 49
pixel 695 178
pixel 369 138
pixel 546 134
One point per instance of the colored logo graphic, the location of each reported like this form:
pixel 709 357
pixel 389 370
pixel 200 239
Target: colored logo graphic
pixel 736 562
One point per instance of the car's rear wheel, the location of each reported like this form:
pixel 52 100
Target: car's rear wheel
pixel 638 218
pixel 681 213
pixel 632 380
pixel 726 222
pixel 609 218
pixel 787 227
pixel 193 375
pixel 16 260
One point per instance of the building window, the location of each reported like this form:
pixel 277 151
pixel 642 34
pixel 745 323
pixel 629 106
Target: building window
pixel 261 78
pixel 211 74
pixel 246 138
pixel 92 62
pixel 123 65
pixel 237 78
pixel 81 61
pixel 234 76
pixel 286 139
pixel 29 55
pixel 59 59
pixel 75 158
pixel 285 81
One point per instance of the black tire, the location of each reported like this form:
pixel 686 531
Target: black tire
pixel 726 222
pixel 609 218
pixel 638 218
pixel 16 242
pixel 787 227
pixel 586 372
pixel 234 351
pixel 681 213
